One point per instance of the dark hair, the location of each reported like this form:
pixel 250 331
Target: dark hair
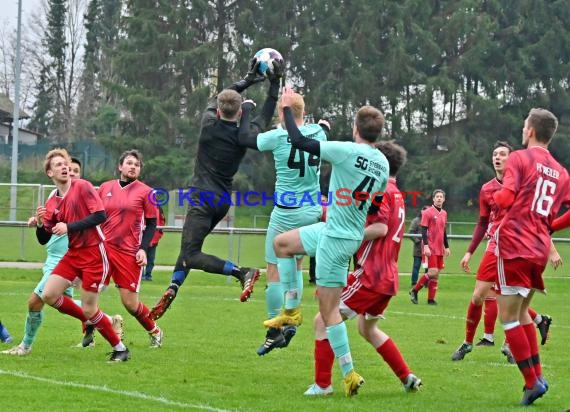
pixel 396 155
pixel 132 152
pixel 369 122
pixel 76 160
pixel 544 124
pixel 502 143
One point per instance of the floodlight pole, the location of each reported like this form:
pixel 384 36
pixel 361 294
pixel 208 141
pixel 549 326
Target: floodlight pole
pixel 16 120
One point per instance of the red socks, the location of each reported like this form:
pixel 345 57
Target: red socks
pixel 520 348
pixel 432 289
pixel 324 360
pixel 66 305
pixel 392 356
pixel 490 317
pixel 143 318
pixel 423 280
pixel 473 319
pixel 105 327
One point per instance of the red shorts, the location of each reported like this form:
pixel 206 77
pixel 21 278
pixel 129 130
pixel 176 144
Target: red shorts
pixel 433 262
pixel 487 271
pixel 361 300
pixel 123 268
pixel 519 272
pixel 89 264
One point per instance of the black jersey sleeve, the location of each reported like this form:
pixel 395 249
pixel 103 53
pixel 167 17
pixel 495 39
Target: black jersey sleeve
pixel 148 232
pixel 210 115
pixel 245 138
pixel 261 123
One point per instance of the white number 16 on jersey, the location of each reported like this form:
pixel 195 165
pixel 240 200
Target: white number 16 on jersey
pixel 543 200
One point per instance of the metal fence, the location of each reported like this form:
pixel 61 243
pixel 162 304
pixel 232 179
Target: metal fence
pixel 234 237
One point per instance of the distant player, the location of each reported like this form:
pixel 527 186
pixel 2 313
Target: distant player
pixel 296 204
pixel 435 246
pixel 535 186
pixel 371 287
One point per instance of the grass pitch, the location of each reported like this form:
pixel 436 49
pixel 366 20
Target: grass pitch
pixel 208 361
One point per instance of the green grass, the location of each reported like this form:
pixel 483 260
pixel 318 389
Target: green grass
pixel 208 361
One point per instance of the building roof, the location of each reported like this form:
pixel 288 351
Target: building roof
pixel 7 109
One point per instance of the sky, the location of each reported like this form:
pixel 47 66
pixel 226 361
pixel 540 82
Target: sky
pixel 9 11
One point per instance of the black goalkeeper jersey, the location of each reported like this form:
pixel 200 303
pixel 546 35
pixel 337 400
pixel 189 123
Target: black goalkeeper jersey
pixel 220 152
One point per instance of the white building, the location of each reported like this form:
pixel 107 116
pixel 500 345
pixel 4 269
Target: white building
pixel 25 136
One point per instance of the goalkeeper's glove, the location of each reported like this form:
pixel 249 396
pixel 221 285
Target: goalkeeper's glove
pixel 275 71
pixel 251 77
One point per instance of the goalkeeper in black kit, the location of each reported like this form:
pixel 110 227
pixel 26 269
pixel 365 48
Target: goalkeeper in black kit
pixel 220 152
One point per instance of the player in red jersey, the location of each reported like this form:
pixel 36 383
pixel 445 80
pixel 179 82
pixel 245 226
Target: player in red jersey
pixel 489 219
pixel 77 211
pixel 436 247
pixel 371 286
pixel 535 186
pixel 129 228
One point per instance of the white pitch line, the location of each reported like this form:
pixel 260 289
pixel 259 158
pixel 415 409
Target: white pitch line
pixel 131 394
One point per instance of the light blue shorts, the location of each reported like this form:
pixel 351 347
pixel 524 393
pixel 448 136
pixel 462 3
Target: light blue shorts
pixel 46 270
pixel 283 220
pixel 332 254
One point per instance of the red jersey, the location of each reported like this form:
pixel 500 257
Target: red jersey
pixel 126 208
pixel 80 201
pixel 435 221
pixel 379 257
pixel 541 186
pixel 488 207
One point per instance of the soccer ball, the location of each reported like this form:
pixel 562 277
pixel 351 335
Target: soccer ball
pixel 266 57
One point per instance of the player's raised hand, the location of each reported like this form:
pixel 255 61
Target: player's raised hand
pixel 275 71
pixel 287 96
pixel 248 102
pixel 325 124
pixel 253 75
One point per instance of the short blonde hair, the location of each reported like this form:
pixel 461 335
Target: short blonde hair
pixel 55 153
pixel 298 106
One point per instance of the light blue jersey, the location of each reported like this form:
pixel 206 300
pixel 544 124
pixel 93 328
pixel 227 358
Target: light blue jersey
pixel 298 172
pixel 297 183
pixel 359 171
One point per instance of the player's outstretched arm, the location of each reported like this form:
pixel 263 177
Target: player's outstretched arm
pixel 251 77
pixel 262 122
pixel 247 135
pixel 297 139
